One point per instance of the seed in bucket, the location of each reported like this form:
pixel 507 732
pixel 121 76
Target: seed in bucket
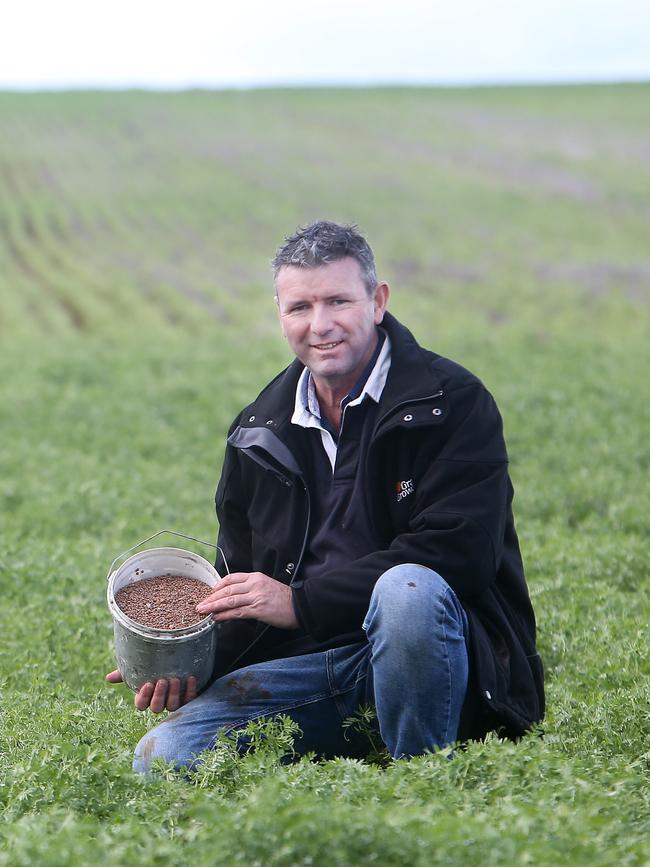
pixel 163 602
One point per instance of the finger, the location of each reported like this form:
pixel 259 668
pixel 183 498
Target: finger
pixel 233 614
pixel 235 577
pixel 114 677
pixel 190 689
pixel 159 698
pixel 143 696
pixel 227 602
pixel 223 590
pixel 174 695
pixel 222 600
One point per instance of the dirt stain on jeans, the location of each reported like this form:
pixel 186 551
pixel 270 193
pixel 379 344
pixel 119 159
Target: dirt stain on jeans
pixel 245 689
pixel 149 748
pixel 412 584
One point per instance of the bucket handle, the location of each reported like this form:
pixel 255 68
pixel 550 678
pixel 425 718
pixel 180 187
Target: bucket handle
pixel 172 533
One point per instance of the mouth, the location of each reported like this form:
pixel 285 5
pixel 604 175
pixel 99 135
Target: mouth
pixel 323 347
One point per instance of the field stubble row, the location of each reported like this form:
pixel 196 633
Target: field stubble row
pixel 164 212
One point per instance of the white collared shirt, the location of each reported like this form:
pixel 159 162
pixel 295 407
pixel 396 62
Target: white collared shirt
pixel 307 409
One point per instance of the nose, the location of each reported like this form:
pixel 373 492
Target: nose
pixel 321 320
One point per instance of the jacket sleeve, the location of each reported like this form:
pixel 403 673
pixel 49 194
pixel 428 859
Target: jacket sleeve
pixel 456 526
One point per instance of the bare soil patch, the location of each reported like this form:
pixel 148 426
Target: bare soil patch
pixel 599 279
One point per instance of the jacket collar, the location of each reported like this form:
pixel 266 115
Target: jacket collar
pixel 411 377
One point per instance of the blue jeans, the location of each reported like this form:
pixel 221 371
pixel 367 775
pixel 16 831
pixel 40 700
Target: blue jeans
pixel 413 669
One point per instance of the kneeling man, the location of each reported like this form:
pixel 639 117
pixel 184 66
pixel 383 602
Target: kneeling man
pixel 366 526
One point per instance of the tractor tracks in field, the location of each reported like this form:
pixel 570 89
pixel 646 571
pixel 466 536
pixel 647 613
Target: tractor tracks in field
pixel 73 313
pixel 94 267
pixel 29 254
pixel 164 274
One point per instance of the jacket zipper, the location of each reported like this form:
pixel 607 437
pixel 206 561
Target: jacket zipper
pixel 306 534
pixel 281 478
pixel 285 480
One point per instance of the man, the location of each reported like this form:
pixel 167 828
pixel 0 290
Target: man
pixel 366 525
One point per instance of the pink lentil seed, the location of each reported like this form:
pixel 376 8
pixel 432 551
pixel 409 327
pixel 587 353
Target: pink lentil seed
pixel 163 602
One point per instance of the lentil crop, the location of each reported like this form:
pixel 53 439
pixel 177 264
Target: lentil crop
pixel 135 233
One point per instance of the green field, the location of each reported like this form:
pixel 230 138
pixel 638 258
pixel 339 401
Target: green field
pixel 136 318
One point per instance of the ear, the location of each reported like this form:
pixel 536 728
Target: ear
pixel 380 299
pixel 277 307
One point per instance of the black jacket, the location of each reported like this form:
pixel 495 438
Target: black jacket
pixel 438 429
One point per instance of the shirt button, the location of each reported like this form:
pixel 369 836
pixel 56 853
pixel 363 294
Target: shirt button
pixel 488 695
pixel 252 418
pixel 408 417
pixel 436 411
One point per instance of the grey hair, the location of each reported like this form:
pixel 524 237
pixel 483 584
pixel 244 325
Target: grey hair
pixel 324 242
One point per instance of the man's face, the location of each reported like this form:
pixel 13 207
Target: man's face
pixel 329 320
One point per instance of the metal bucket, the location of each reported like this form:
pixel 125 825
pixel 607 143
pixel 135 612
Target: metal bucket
pixel 146 654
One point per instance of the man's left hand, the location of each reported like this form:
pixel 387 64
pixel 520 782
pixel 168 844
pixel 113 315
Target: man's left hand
pixel 160 695
pixel 251 595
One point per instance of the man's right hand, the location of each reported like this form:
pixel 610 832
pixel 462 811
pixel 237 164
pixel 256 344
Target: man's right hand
pixel 161 695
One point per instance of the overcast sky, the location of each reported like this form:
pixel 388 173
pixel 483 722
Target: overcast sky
pixel 77 43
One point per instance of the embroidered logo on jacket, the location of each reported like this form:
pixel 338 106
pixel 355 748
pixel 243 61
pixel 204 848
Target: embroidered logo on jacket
pixel 404 489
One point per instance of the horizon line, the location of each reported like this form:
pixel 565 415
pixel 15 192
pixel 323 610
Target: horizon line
pixel 99 87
